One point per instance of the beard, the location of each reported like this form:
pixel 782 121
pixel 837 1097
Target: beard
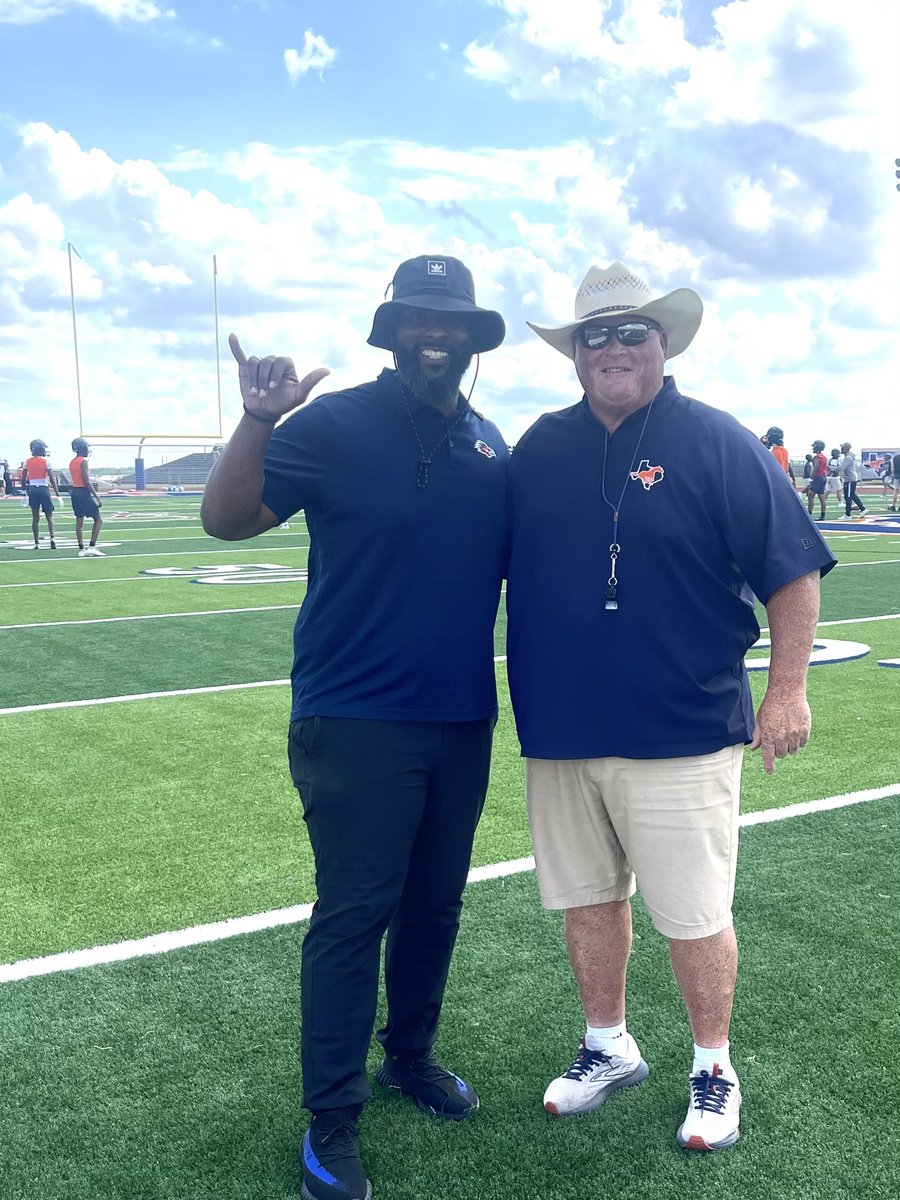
pixel 437 390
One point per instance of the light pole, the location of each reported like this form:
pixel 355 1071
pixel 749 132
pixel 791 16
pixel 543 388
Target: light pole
pixel 75 335
pixel 218 366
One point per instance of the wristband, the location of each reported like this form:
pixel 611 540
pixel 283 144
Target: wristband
pixel 256 417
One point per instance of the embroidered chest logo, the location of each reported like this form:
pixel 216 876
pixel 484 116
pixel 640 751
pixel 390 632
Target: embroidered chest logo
pixel 648 475
pixel 485 449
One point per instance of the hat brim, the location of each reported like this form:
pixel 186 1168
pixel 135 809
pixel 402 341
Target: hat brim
pixel 679 313
pixel 486 327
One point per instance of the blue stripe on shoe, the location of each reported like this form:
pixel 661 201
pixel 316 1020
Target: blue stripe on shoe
pixel 312 1163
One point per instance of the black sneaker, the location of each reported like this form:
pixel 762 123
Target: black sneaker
pixel 435 1089
pixel 331 1166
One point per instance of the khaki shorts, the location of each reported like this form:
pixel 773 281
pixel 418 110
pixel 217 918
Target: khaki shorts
pixel 600 826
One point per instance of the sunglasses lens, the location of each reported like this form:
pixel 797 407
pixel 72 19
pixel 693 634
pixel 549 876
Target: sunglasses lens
pixel 633 335
pixel 595 339
pixel 597 336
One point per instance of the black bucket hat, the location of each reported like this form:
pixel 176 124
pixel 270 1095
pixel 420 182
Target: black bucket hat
pixel 439 284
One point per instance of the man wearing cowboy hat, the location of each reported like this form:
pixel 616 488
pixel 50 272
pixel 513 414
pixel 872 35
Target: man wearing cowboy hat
pixel 394 700
pixel 630 601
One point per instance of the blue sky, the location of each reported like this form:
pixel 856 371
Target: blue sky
pixel 744 149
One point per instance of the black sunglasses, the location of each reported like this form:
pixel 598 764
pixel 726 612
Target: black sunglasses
pixel 595 337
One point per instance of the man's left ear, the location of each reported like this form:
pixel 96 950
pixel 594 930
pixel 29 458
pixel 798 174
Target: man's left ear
pixel 663 340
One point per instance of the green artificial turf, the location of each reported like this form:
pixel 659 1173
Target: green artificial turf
pixel 176 1076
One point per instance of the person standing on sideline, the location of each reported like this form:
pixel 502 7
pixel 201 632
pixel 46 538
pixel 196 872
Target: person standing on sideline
pixel 834 484
pixel 37 480
pixel 774 439
pixel 818 477
pixel 85 500
pixel 630 602
pixel 850 479
pixel 394 700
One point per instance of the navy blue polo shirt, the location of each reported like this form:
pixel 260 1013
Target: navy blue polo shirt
pixel 707 519
pixel 404 581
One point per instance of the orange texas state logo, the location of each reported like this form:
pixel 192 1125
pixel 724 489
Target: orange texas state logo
pixel 648 475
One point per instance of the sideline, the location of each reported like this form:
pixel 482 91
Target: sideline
pixel 196 935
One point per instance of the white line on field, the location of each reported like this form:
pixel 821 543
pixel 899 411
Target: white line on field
pixel 135 541
pixel 221 687
pixel 875 562
pixel 859 620
pixel 199 691
pixel 196 935
pixel 125 578
pixel 848 621
pixel 200 612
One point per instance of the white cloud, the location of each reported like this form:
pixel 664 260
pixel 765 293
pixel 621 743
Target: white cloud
pixel 316 55
pixel 305 256
pixel 29 12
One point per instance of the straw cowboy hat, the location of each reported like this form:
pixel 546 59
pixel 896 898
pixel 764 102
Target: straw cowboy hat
pixel 616 291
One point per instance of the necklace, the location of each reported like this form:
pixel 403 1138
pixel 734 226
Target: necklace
pixel 426 459
pixel 611 602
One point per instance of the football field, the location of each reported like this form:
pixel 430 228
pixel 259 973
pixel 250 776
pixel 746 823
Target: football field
pixel 148 1033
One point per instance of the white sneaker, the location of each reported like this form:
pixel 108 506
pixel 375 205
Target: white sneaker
pixel 845 518
pixel 93 552
pixel 82 553
pixel 713 1116
pixel 592 1077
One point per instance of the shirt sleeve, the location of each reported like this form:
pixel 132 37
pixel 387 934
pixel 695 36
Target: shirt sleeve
pixel 297 459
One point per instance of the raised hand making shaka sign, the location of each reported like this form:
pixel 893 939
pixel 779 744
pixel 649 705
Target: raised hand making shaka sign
pixel 269 386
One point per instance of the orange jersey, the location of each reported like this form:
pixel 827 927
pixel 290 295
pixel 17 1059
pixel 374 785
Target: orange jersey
pixel 782 458
pixel 38 470
pixel 75 471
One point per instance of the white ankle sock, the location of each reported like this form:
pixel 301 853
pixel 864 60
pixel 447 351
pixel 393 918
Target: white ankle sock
pixel 611 1040
pixel 706 1058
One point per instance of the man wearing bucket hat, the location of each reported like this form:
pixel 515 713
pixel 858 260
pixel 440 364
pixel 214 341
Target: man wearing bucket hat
pixel 394 700
pixel 634 561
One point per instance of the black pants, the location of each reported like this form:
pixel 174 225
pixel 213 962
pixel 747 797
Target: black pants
pixel 391 808
pixel 850 496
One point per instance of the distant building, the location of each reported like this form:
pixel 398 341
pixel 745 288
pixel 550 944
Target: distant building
pixel 190 471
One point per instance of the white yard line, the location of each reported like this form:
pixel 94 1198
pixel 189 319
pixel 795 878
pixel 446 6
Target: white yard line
pixel 198 691
pixel 875 562
pixel 221 687
pixel 196 935
pixel 119 557
pixel 134 541
pixel 210 612
pixel 200 612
